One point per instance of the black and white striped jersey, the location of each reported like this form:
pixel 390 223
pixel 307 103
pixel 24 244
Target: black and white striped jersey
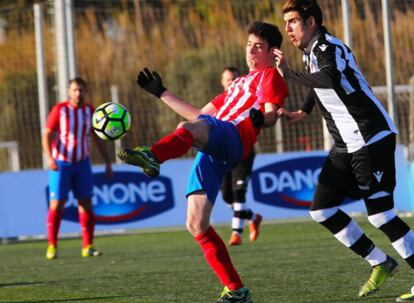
pixel 353 115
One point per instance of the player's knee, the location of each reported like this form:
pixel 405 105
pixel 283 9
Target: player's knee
pixel 58 205
pixel 195 227
pixel 199 128
pixel 184 124
pixel 240 195
pixel 85 205
pixel 227 196
pixel 381 218
pixel 322 215
pixel 192 126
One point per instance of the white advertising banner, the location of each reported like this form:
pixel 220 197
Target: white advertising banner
pixel 281 186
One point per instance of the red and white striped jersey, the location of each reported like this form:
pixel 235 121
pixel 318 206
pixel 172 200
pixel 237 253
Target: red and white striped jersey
pixel 73 126
pixel 252 90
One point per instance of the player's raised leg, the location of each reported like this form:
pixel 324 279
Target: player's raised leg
pixel 171 146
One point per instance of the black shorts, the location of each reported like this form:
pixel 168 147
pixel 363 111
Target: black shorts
pixel 234 185
pixel 357 175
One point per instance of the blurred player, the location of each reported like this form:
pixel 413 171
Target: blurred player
pixel 361 162
pixel 66 143
pixel 224 131
pixel 235 182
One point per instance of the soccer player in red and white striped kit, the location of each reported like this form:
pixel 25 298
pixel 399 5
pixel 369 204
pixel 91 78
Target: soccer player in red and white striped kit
pixel 66 143
pixel 224 131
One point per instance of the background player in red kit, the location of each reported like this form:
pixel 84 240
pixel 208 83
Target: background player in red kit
pixel 224 131
pixel 66 143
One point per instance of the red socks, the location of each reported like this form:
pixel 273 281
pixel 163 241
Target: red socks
pixel 87 222
pixel 173 145
pixel 218 258
pixel 54 217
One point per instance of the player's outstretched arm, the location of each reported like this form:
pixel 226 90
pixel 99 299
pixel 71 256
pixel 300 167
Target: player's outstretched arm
pixel 152 83
pixel 181 107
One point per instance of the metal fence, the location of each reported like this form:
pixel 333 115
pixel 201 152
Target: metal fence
pixel 189 43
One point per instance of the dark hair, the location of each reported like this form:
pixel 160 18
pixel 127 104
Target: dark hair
pixel 234 70
pixel 305 8
pixel 266 31
pixel 79 81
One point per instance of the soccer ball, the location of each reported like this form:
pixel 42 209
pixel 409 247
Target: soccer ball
pixel 111 121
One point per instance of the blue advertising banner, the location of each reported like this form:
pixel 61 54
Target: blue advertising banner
pixel 282 186
pixel 288 183
pixel 127 197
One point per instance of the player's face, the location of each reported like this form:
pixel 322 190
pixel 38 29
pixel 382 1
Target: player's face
pixel 227 78
pixel 76 93
pixel 258 53
pixel 300 32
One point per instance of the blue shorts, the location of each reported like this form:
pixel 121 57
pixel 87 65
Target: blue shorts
pixel 224 150
pixel 76 176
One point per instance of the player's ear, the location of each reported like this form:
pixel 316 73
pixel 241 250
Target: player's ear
pixel 310 21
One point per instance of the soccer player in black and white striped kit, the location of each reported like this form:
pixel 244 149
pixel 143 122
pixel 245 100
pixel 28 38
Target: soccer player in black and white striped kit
pixel 361 162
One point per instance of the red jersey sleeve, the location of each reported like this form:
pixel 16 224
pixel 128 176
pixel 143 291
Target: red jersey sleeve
pixel 52 121
pixel 274 88
pixel 219 100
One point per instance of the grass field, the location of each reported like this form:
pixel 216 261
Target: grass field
pixel 290 262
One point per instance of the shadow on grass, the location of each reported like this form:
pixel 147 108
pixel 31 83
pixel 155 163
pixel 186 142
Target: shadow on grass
pixel 69 300
pixel 19 284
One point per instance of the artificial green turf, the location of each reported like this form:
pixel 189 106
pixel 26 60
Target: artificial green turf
pixel 297 262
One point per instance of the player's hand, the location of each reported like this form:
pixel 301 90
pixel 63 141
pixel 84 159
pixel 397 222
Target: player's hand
pixel 257 117
pixel 151 82
pixel 280 60
pixel 293 117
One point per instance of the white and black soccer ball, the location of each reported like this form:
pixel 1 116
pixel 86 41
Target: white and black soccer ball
pixel 111 121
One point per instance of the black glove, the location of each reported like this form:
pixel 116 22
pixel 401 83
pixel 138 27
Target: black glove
pixel 257 117
pixel 151 82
